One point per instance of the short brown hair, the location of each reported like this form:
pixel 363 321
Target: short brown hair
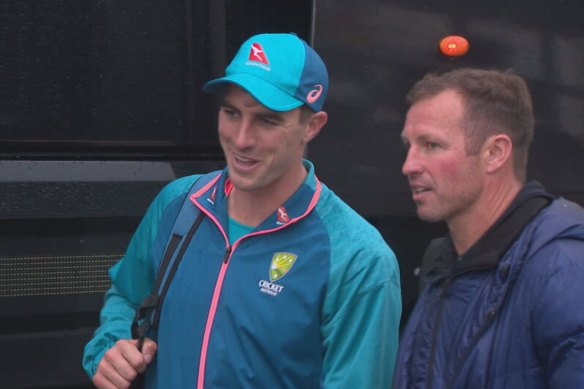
pixel 306 113
pixel 495 101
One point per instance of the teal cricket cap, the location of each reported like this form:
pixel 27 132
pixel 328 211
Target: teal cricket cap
pixel 281 71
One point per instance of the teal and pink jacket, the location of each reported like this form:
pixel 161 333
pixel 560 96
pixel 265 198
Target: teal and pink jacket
pixel 309 299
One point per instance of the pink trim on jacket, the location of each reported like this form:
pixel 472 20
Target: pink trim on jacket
pixel 225 265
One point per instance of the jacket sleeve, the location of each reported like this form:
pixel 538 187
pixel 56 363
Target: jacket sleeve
pixel 361 318
pixel 558 316
pixel 115 320
pixel 132 277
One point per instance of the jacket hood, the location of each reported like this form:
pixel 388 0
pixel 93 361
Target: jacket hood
pixel 563 219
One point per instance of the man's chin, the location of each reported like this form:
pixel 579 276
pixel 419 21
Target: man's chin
pixel 428 217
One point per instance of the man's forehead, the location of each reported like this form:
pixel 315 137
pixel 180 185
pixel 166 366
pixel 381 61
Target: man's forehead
pixel 233 94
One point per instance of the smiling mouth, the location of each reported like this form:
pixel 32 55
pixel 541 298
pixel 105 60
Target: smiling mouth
pixel 243 161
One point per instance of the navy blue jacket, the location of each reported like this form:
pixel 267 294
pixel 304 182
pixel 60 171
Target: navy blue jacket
pixel 507 314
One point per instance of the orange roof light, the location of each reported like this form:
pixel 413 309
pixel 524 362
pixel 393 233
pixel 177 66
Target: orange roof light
pixel 454 46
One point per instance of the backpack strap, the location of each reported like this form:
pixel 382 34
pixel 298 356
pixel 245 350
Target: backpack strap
pixel 148 314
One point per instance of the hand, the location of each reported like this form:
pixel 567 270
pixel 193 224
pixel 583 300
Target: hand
pixel 121 364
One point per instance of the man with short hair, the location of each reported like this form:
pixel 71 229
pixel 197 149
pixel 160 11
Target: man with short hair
pixel 502 302
pixel 280 284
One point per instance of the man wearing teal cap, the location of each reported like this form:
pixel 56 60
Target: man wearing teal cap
pixel 257 276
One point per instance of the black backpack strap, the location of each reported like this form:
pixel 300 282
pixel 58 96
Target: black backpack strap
pixel 148 314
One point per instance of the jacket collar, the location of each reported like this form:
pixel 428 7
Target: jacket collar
pixel 491 247
pixel 302 201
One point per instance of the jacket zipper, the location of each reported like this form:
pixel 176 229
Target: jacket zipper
pixel 227 254
pixel 221 277
pixel 490 317
pixel 211 316
pixel 435 332
pixel 437 325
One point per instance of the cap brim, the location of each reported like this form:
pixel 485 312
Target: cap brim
pixel 264 92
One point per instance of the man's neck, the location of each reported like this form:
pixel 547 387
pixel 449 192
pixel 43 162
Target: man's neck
pixel 253 207
pixel 468 229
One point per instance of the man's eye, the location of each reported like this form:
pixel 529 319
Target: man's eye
pixel 229 112
pixel 432 146
pixel 268 121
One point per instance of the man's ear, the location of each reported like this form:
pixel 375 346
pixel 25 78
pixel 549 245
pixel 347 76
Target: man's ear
pixel 498 152
pixel 315 123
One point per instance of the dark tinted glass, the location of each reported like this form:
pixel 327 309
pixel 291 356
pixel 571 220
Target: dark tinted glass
pixel 103 71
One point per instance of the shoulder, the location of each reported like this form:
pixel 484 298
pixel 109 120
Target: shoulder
pixel 558 226
pixel 163 209
pixel 356 245
pixel 339 219
pixel 177 188
pixel 563 212
pixel 553 244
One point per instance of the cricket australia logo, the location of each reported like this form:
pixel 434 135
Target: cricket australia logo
pixel 280 266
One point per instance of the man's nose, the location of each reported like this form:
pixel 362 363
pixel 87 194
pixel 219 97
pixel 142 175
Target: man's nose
pixel 245 136
pixel 412 163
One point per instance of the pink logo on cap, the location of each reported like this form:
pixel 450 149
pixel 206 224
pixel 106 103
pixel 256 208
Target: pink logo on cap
pixel 257 54
pixel 314 94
